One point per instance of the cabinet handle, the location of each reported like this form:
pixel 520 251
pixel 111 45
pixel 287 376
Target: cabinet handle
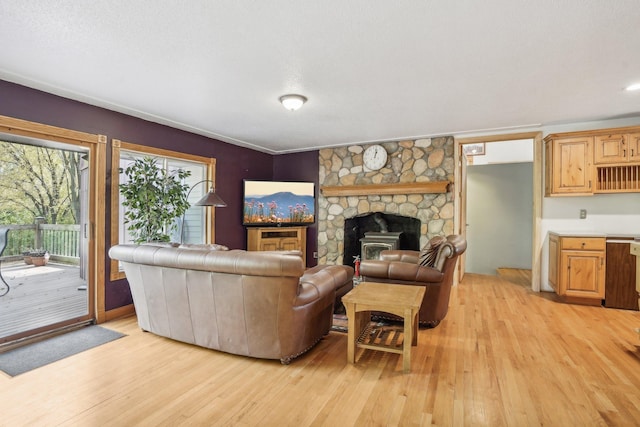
pixel 624 153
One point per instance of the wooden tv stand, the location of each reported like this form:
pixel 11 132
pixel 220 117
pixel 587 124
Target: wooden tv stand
pixel 278 239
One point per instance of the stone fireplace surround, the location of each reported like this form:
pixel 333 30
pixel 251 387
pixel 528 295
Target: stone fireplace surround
pixel 411 161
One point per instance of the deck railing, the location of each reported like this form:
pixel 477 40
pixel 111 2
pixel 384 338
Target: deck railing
pixel 62 241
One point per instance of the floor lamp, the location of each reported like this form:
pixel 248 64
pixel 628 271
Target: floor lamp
pixel 209 199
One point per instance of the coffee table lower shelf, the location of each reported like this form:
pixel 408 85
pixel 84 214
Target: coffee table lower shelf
pixel 383 338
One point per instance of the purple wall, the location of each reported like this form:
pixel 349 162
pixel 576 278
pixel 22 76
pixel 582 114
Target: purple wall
pixel 233 163
pixel 301 167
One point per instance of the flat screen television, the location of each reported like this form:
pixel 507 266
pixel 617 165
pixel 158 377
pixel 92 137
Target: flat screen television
pixel 278 203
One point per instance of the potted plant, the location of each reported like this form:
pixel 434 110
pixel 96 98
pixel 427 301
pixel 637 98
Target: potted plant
pixel 26 256
pixel 153 199
pixel 39 257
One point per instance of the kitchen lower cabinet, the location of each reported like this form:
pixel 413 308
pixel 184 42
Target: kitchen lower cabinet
pixel 577 268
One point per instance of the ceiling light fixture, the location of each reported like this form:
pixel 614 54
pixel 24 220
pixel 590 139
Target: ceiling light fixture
pixel 292 102
pixel 635 86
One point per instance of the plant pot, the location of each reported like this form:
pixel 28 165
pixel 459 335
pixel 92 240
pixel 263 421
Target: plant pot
pixel 39 261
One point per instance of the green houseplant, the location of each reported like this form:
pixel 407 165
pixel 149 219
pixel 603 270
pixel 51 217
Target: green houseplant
pixel 153 199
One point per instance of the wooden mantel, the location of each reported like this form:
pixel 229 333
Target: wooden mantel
pixel 377 189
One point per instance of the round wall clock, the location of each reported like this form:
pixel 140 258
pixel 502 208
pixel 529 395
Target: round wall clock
pixel 375 157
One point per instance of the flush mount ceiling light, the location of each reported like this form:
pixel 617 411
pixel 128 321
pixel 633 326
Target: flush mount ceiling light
pixel 292 102
pixel 635 86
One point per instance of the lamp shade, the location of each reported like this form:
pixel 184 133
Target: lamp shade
pixel 211 199
pixel 292 102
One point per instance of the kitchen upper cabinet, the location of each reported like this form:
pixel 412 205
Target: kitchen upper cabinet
pixel 633 144
pixel 569 166
pixel 616 148
pixel 590 162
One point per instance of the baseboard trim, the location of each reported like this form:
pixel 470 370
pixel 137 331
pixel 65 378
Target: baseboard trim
pixel 116 313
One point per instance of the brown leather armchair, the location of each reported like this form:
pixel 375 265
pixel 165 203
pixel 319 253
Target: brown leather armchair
pixel 402 267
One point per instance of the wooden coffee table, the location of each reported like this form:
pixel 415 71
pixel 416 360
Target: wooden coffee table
pixel 401 300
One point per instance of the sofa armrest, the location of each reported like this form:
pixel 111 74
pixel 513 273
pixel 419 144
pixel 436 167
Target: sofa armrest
pixel 319 282
pixel 313 288
pixel 400 255
pixel 404 271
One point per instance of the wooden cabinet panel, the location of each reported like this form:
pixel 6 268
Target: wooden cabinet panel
pixel 617 148
pixel 609 149
pixel 620 277
pixel 278 239
pixel 577 265
pixel 292 244
pixel 584 243
pixel 269 245
pixel 583 274
pixel 633 146
pixel 570 166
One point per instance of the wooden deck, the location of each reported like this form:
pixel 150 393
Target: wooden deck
pixel 40 296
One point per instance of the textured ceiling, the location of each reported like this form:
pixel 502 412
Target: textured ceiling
pixel 372 69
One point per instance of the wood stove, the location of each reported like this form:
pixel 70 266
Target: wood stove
pixel 403 228
pixel 375 242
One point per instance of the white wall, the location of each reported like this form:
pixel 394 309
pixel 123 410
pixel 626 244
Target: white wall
pixel 518 151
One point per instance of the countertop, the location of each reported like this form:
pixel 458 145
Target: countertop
pixel 608 236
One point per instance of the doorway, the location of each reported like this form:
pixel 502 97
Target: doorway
pixel 72 277
pixel 499 203
pixel 43 210
pixel 477 146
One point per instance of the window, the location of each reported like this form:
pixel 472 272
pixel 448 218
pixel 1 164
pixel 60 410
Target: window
pixel 198 226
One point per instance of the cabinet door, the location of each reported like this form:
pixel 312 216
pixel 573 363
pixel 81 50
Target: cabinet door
pixel 583 274
pixel 572 165
pixel 290 244
pixel 632 142
pixel 610 149
pixel 269 245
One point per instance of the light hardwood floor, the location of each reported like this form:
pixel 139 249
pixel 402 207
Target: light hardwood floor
pixel 504 356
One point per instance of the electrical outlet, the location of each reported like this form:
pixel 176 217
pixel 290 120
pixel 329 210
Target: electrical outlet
pixel 315 255
pixel 583 213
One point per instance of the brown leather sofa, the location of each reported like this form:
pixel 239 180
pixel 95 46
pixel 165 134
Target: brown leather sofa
pixel 402 267
pixel 257 304
pixel 341 287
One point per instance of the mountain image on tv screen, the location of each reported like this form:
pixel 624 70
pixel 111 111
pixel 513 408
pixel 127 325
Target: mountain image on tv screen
pixel 278 203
